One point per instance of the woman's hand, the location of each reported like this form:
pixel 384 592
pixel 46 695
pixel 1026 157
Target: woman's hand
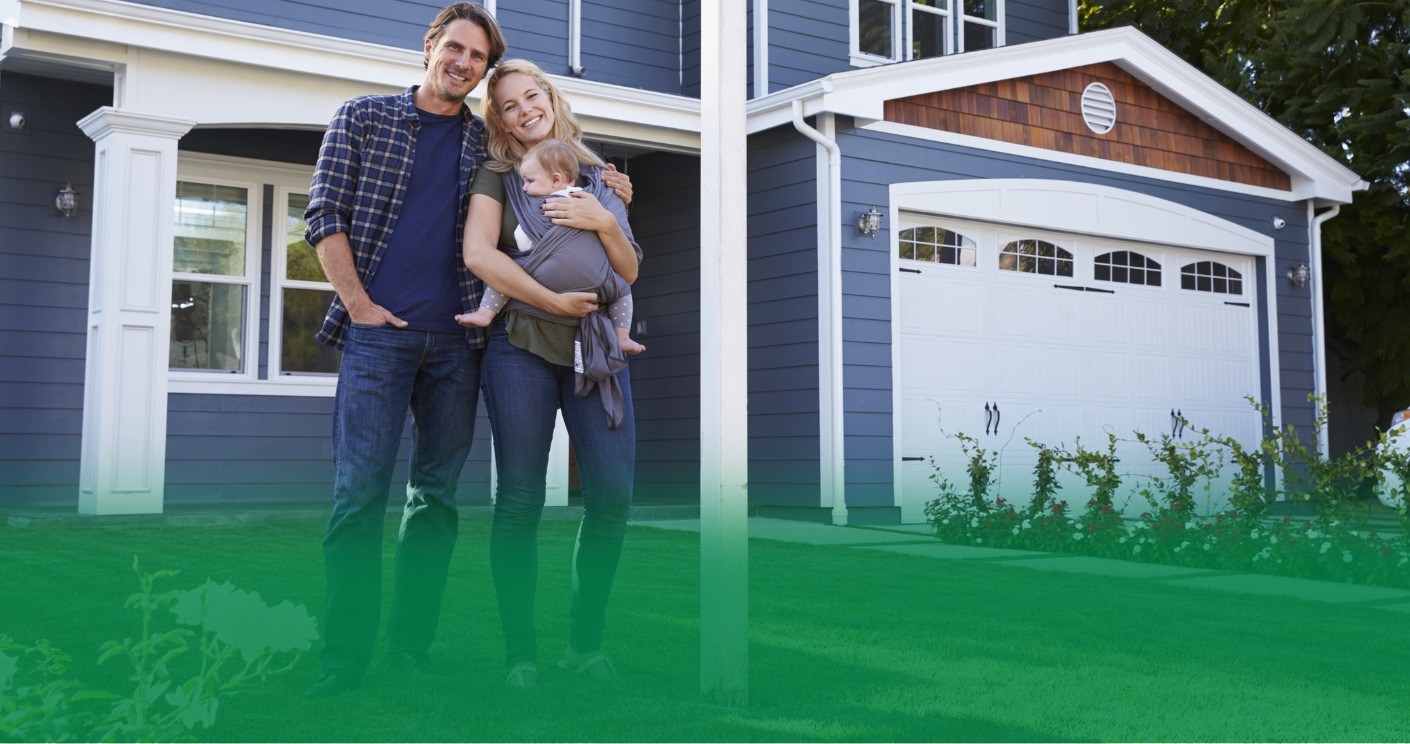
pixel 580 210
pixel 621 183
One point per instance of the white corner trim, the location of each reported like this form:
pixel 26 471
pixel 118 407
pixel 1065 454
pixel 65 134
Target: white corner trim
pixel 1085 209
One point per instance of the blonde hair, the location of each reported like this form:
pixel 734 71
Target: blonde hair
pixel 556 156
pixel 505 150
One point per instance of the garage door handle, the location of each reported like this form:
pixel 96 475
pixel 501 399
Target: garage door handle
pixel 912 459
pixel 1237 304
pixel 911 271
pixel 991 418
pixel 1076 288
pixel 1177 424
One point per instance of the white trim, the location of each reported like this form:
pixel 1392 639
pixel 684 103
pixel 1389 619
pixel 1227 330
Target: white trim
pixel 575 38
pixel 832 450
pixel 862 94
pixel 1301 188
pixel 310 386
pixel 1319 322
pixel 1072 17
pixel 761 48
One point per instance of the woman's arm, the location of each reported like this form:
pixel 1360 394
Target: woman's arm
pixel 583 211
pixel 482 256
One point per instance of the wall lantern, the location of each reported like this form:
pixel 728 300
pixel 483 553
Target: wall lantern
pixel 869 223
pixel 1299 275
pixel 67 201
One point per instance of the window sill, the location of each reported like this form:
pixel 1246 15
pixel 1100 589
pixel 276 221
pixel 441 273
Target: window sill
pixel 289 385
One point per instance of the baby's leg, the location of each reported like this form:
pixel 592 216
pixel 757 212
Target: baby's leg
pixel 621 314
pixel 490 305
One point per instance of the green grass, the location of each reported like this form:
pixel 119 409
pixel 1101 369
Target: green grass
pixel 846 644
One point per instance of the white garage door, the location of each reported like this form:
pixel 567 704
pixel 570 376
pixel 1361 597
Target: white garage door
pixel 1015 334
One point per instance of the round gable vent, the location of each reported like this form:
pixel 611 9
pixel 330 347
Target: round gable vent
pixel 1098 108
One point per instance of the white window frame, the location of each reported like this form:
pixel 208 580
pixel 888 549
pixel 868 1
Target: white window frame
pixel 254 175
pixel 902 29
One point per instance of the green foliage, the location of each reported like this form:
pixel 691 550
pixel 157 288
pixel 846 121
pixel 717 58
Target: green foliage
pixel 237 641
pixel 1334 72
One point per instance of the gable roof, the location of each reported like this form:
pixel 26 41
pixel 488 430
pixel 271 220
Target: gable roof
pixel 864 95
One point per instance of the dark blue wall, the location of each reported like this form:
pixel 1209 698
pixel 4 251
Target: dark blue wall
pixel 43 287
pixel 635 43
pixel 807 40
pixel 1035 20
pixel 666 377
pixel 783 320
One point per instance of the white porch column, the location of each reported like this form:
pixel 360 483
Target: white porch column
pixel 724 336
pixel 123 466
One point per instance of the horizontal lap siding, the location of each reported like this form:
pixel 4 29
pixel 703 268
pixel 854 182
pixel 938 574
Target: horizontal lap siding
pixel 44 266
pixel 666 377
pixel 1035 20
pixel 783 320
pixel 261 448
pixel 873 161
pixel 807 40
pixel 690 48
pixel 635 44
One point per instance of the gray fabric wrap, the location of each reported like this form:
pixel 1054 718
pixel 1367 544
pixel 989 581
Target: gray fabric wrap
pixel 566 259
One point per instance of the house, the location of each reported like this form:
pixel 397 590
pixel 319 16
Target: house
pixel 962 219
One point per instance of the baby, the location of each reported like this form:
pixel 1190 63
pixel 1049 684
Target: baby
pixel 549 169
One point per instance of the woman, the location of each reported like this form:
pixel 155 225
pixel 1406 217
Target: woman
pixel 529 374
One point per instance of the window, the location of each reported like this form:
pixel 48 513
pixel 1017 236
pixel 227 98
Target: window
pixel 1035 257
pixel 248 292
pixel 896 30
pixel 1211 276
pixel 1126 267
pixel 936 245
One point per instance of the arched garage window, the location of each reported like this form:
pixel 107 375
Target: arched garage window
pixel 936 245
pixel 1211 276
pixel 1126 267
pixel 1035 257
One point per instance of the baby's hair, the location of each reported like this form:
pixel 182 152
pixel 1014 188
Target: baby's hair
pixel 556 156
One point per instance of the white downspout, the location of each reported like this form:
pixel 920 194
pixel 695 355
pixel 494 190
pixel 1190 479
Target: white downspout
pixel 831 448
pixel 575 38
pixel 761 48
pixel 1319 327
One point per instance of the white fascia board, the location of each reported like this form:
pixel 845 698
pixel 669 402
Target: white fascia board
pixel 304 59
pixel 862 94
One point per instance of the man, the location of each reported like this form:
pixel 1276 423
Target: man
pixel 386 212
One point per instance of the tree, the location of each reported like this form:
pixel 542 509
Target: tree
pixel 1335 72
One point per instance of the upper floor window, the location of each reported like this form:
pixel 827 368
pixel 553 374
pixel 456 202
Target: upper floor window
pixel 247 291
pixel 895 30
pixel 1126 267
pixel 936 245
pixel 1211 276
pixel 1036 257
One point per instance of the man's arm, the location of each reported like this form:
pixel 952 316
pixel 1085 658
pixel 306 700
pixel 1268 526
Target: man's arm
pixel 336 256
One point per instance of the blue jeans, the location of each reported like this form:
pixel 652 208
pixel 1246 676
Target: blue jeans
pixel 385 371
pixel 522 394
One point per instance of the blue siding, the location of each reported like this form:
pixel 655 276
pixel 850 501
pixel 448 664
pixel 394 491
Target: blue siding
pixel 783 320
pixel 807 40
pixel 690 48
pixel 873 161
pixel 666 377
pixel 44 265
pixel 251 448
pixel 1035 20
pixel 635 43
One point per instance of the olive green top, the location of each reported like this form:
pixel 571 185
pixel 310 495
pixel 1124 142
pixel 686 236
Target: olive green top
pixel 551 341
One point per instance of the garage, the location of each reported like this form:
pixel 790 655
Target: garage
pixel 1010 333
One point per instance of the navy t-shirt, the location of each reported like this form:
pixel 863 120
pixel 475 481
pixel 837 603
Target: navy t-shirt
pixel 418 280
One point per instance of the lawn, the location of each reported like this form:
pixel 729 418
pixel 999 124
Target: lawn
pixel 846 645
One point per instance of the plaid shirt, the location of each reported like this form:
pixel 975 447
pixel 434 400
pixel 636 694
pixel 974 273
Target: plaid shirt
pixel 360 183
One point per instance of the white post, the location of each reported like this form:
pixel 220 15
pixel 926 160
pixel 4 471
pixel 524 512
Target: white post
pixel 123 465
pixel 724 440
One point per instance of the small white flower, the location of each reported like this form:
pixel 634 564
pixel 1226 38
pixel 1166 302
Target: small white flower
pixel 1346 556
pixel 1313 534
pixel 978 540
pixel 1136 549
pixel 1027 524
pixel 1272 539
pixel 1015 530
pixel 1207 546
pixel 1254 535
pixel 944 521
pixel 1122 541
pixel 1078 536
pixel 1325 547
pixel 974 522
pixel 1191 525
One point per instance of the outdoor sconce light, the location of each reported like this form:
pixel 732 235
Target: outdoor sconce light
pixel 67 201
pixel 1299 275
pixel 869 224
